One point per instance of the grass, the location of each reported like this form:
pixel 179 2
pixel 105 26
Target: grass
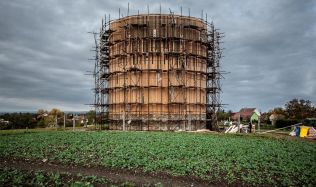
pixel 249 160
pixel 52 129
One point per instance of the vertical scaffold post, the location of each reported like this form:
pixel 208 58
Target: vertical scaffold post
pixel 213 86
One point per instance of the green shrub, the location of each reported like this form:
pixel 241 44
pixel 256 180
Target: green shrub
pixel 4 126
pixel 285 122
pixel 41 123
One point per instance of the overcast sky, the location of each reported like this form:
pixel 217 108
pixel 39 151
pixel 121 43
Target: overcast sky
pixel 270 50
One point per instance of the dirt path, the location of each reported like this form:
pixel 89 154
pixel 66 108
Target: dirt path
pixel 114 175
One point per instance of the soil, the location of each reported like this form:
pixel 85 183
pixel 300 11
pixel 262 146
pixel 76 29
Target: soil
pixel 116 176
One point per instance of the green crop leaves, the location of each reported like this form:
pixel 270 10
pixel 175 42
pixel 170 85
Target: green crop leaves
pixel 250 160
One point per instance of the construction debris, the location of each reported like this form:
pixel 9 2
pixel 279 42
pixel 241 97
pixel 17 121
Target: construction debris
pixel 303 132
pixel 237 128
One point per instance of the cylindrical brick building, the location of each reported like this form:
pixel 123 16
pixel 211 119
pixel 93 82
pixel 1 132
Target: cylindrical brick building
pixel 156 77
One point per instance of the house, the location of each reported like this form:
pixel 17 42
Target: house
pixel 274 117
pixel 247 114
pixel 2 121
pixel 4 124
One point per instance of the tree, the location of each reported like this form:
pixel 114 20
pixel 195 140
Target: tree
pixel 41 114
pixel 91 116
pixel 299 109
pixel 53 115
pixel 223 115
pixel 56 112
pixel 49 118
pixel 265 117
pixel 20 120
pixel 279 111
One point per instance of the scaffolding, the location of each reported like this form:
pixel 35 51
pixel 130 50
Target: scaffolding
pixel 157 72
pixel 214 75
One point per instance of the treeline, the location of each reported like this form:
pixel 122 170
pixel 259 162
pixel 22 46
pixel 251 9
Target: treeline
pixel 44 118
pixel 293 112
pixel 18 120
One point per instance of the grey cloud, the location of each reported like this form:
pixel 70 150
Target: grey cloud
pixel 44 46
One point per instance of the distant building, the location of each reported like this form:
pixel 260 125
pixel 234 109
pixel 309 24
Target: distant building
pixel 274 117
pixel 246 114
pixel 4 121
pixel 4 124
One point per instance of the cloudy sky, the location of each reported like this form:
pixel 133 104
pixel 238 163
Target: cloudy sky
pixel 270 50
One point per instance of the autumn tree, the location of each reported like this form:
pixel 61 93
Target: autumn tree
pixel 53 116
pixel 300 109
pixel 41 112
pixel 56 112
pixel 40 115
pixel 46 118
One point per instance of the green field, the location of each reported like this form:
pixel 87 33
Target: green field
pixel 232 159
pixel 13 177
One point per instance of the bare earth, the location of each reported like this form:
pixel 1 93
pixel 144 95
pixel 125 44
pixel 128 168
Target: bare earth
pixel 116 176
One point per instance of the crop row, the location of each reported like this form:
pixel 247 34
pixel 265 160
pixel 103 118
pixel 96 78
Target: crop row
pixel 246 159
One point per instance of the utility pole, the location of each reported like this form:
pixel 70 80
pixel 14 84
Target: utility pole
pixel 239 123
pixel 124 119
pixel 73 123
pixel 85 121
pixel 259 124
pixel 56 121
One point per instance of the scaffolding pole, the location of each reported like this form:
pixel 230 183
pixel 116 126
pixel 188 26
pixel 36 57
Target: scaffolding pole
pixel 184 56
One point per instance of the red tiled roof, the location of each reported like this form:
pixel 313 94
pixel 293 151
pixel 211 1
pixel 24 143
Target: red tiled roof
pixel 246 112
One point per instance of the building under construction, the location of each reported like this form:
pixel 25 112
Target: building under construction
pixel 157 72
